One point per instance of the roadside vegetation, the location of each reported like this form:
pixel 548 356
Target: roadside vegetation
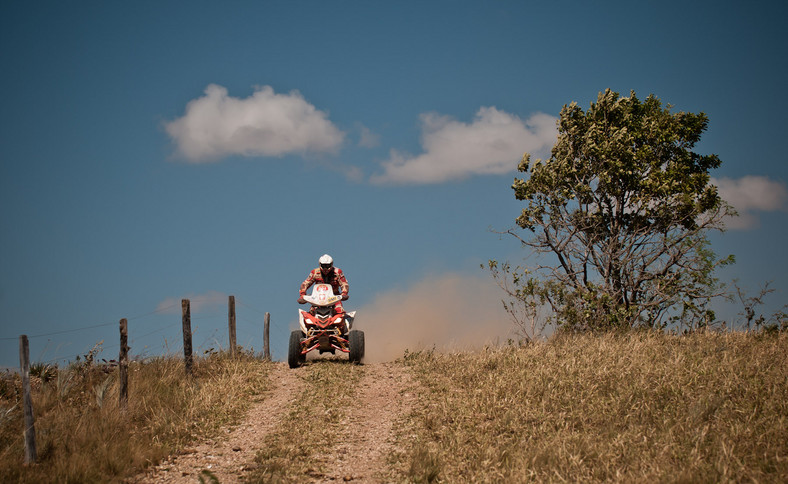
pixel 632 407
pixel 83 436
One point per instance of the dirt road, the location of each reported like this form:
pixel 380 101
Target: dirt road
pixel 360 451
pixel 365 445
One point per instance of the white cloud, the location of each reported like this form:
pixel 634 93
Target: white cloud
pixel 492 144
pixel 197 303
pixel 367 138
pixel 749 195
pixel 264 124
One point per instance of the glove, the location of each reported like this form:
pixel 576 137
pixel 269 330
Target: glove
pixel 345 297
pixel 301 299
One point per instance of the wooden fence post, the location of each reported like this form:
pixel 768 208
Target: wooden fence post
pixel 231 322
pixel 187 335
pixel 266 333
pixel 27 401
pixel 123 363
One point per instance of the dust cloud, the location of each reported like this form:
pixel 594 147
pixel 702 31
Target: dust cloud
pixel 449 312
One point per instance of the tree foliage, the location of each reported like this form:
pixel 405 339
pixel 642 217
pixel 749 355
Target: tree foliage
pixel 620 213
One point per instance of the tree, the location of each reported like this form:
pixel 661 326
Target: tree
pixel 750 304
pixel 619 216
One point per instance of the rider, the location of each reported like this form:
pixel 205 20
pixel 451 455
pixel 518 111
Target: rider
pixel 327 274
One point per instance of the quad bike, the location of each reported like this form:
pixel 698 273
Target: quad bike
pixel 324 330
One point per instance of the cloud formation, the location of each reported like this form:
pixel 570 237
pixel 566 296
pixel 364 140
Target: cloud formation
pixel 264 124
pixel 367 139
pixel 448 312
pixel 749 195
pixel 492 144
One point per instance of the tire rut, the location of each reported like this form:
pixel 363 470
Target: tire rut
pixel 228 456
pixel 384 395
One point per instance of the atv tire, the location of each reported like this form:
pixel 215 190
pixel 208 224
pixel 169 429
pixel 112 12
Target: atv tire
pixel 356 339
pixel 294 356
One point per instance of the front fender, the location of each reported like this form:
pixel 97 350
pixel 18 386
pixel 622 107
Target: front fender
pixel 349 317
pixel 301 320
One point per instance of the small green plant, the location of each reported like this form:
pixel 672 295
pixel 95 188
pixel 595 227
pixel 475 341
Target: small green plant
pixel 208 477
pixel 43 371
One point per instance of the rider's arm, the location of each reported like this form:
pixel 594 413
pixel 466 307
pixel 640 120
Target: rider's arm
pixel 343 283
pixel 310 279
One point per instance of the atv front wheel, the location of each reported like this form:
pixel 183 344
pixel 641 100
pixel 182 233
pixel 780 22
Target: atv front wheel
pixel 294 356
pixel 356 339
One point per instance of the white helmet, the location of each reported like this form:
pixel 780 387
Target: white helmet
pixel 326 262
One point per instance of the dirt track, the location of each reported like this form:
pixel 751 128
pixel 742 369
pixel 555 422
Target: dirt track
pixel 361 450
pixel 366 444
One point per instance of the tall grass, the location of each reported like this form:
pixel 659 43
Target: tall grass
pixel 640 407
pixel 83 436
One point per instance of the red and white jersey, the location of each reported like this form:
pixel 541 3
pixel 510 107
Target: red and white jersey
pixel 335 277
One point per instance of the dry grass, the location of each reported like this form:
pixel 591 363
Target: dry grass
pixel 83 436
pixel 298 450
pixel 641 407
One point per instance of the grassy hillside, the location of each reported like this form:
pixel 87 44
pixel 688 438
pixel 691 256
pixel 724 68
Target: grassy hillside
pixel 640 407
pixel 82 435
pixel 582 408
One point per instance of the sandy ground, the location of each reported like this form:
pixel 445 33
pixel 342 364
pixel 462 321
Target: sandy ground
pixel 359 457
pixel 366 443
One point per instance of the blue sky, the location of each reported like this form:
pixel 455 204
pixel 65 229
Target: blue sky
pixel 151 151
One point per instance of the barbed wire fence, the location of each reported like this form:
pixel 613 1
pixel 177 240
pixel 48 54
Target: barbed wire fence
pixel 122 361
pixel 212 341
